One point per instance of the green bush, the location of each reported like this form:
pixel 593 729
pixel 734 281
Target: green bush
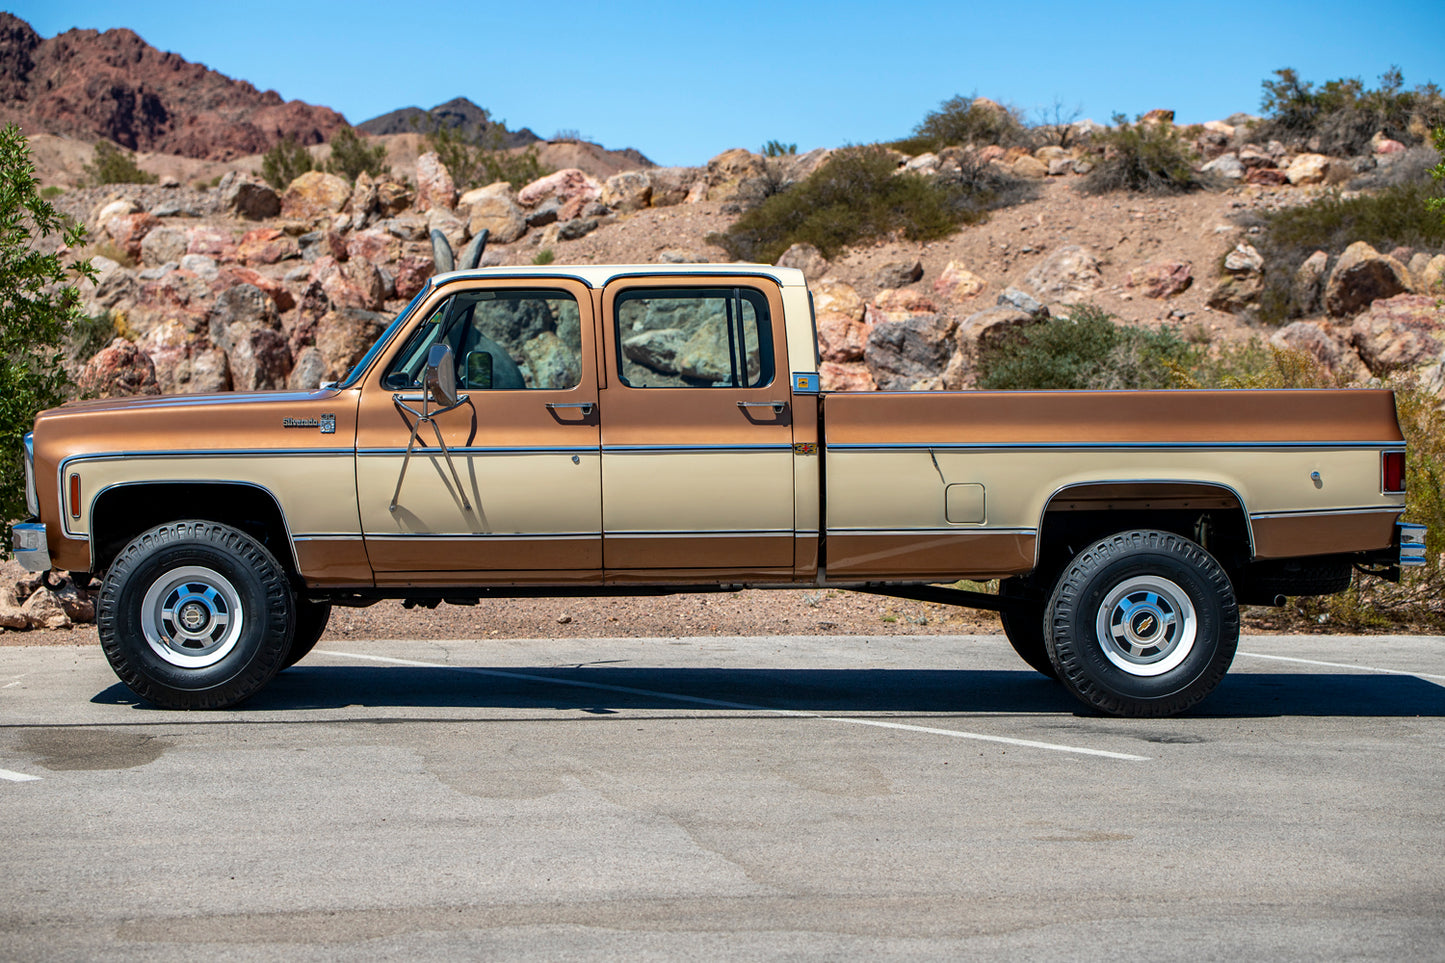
pixel 38 306
pixel 1340 117
pixel 960 121
pixel 285 162
pixel 1395 216
pixel 52 192
pixel 544 256
pixel 1085 351
pixel 1144 157
pixel 857 196
pixel 776 148
pixel 350 157
pixel 115 166
pixel 1438 171
pixel 88 334
pixel 481 161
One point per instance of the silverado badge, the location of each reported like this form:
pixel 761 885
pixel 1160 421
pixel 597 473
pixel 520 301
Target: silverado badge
pixel 327 423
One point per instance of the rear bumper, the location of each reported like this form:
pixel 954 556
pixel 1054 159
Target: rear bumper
pixel 31 549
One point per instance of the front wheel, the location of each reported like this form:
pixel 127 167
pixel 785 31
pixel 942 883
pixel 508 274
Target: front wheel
pixel 195 615
pixel 1142 623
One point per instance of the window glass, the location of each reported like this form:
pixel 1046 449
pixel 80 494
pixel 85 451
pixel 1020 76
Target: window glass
pixel 503 339
pixel 694 338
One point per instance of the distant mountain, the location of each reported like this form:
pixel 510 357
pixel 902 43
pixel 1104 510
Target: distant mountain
pixel 88 84
pixel 457 114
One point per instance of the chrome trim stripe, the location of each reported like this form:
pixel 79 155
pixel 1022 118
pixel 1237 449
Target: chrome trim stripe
pixel 719 533
pixel 206 453
pixel 1121 446
pixel 479 536
pixel 1326 512
pixel 961 529
pixel 538 450
pixel 32 496
pixel 705 449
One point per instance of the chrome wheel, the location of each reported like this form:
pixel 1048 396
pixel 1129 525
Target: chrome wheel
pixel 192 617
pixel 1147 625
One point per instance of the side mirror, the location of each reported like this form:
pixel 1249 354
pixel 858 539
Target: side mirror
pixel 440 375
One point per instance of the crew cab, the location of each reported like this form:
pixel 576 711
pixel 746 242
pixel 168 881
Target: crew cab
pixel 659 428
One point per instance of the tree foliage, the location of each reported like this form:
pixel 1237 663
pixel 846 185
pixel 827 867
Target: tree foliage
pixel 481 160
pixel 1438 171
pixel 36 313
pixel 112 165
pixel 1339 117
pixel 285 162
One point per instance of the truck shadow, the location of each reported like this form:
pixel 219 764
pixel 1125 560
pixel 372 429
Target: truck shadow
pixel 606 689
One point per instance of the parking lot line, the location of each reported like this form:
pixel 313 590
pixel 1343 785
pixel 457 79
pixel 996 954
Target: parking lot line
pixel 1344 665
pixel 720 704
pixel 17 776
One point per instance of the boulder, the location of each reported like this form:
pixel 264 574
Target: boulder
pixel 845 377
pixel 412 272
pixel 656 349
pixel 1236 293
pixel 1431 278
pixel 1019 301
pixel 1225 165
pixel 901 353
pixel 451 227
pixel 734 175
pixel 373 245
pixel 1158 116
pixel 571 188
pixel 673 185
pixel 1363 275
pixel 1071 272
pixel 1030 167
pixel 627 192
pixel 1060 166
pixel 244 324
pixel 274 289
pixel 355 284
pixel 1244 259
pixel 309 371
pixel 1309 280
pixel 1404 332
pixel 1384 145
pixel 434 185
pixel 249 198
pixel 494 209
pixel 129 230
pixel 1266 177
pixel 1308 169
pixel 212 242
pixel 841 338
pixel 896 274
pixel 163 245
pixel 200 265
pixel 44 611
pixel 922 164
pixel 806 258
pixel 957 283
pixel 831 296
pixel 363 204
pixel 1319 343
pixel 578 227
pixel 342 337
pixel 185 363
pixel 314 196
pixel 553 364
pixel 978 331
pixel 393 197
pixel 112 207
pixel 118 371
pixel 266 245
pixel 1161 279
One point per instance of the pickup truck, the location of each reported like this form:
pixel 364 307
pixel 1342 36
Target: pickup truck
pixel 660 428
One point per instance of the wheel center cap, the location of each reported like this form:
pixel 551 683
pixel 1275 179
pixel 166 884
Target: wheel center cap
pixel 1145 625
pixel 193 616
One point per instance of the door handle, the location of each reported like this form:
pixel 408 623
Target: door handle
pixel 778 406
pixel 585 406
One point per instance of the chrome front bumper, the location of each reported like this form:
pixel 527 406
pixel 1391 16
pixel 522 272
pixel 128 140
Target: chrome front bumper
pixel 31 549
pixel 1412 544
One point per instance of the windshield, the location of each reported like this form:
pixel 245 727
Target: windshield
pixel 391 329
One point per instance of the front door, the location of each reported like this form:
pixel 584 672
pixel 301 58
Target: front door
pixel 697 431
pixel 520 497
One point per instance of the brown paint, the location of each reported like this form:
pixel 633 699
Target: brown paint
pixel 1322 534
pixel 932 557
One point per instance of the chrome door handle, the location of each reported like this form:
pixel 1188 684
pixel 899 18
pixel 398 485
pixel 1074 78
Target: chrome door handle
pixel 585 406
pixel 778 406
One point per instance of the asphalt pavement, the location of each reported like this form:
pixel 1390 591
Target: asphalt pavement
pixel 726 799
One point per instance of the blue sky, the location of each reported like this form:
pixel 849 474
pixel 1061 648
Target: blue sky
pixel 682 81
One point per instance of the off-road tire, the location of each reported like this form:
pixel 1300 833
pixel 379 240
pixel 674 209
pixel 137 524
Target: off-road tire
pixel 1023 626
pixel 311 619
pixel 1142 623
pixel 208 579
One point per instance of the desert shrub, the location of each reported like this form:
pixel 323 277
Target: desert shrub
pixel 776 148
pixel 38 304
pixel 52 192
pixel 1438 171
pixel 1341 116
pixel 351 157
pixel 89 333
pixel 858 195
pixel 285 162
pixel 1086 350
pixel 112 165
pixel 1144 157
pixel 1254 364
pixel 1397 215
pixel 544 256
pixel 479 161
pixel 960 121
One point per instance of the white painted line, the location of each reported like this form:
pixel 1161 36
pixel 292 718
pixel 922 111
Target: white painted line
pixel 720 704
pixel 17 776
pixel 1342 665
pixel 1026 743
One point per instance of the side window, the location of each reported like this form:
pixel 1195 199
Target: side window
pixel 503 339
pixel 694 338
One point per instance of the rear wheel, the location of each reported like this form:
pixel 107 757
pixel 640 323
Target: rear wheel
pixel 311 619
pixel 195 615
pixel 1142 623
pixel 1023 625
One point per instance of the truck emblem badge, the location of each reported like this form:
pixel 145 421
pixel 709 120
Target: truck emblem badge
pixel 327 423
pixel 805 448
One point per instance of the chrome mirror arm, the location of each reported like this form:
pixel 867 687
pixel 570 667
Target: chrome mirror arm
pixel 428 416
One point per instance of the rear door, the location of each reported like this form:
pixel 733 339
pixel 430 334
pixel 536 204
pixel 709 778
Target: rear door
pixel 697 431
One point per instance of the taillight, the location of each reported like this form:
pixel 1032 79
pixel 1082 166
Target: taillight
pixel 74 496
pixel 1392 472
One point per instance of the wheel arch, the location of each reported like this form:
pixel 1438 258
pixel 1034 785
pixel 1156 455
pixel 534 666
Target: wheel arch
pixel 123 510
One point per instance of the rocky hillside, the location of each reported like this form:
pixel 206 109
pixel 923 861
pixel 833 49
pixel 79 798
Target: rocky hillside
pixel 89 84
pixel 458 114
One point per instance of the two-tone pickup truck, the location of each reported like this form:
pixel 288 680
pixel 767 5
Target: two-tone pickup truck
pixel 654 429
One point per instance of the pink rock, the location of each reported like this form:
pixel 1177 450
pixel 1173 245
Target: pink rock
pixel 1387 146
pixel 845 377
pixel 374 245
pixel 1267 177
pixel 434 185
pixel 573 189
pixel 411 273
pixel 841 337
pixel 212 242
pixel 274 289
pixel 128 230
pixel 957 283
pixel 118 371
pixel 1161 279
pixel 1405 331
pixel 266 245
